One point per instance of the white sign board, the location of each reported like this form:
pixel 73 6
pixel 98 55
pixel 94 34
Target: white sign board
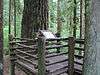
pixel 48 34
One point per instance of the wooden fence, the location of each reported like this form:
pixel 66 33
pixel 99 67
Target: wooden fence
pixel 40 56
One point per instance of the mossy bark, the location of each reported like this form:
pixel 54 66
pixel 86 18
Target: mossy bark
pixel 92 38
pixel 35 17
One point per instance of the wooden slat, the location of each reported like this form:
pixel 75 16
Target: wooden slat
pixel 34 56
pixel 78 56
pixel 29 61
pixel 25 46
pixel 78 63
pixel 24 67
pixel 55 54
pixel 59 71
pixel 55 46
pixel 54 39
pixel 57 59
pixel 47 64
pixel 79 48
pixel 28 39
pixel 77 68
pixel 79 41
pixel 14 48
pixel 55 67
pixel 13 42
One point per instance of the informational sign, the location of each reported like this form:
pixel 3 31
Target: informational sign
pixel 47 34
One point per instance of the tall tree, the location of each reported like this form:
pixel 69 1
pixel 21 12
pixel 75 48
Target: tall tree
pixel 1 37
pixel 35 17
pixel 74 18
pixel 81 22
pixel 59 22
pixel 11 15
pixel 92 38
pixel 81 17
pixel 71 26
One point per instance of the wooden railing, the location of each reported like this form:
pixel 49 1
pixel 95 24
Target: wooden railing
pixel 22 54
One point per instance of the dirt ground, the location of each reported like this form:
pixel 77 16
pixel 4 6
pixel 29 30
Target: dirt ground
pixel 7 67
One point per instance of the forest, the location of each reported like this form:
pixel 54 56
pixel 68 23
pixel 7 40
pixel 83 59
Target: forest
pixel 64 11
pixel 49 37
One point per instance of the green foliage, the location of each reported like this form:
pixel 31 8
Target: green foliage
pixel 52 15
pixel 19 8
pixel 66 7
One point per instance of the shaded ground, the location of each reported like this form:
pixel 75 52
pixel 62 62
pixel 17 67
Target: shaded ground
pixel 7 67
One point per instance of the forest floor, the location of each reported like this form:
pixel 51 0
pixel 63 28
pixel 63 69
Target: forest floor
pixel 7 67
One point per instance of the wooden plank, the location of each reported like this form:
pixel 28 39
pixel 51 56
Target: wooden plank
pixel 25 46
pixel 13 42
pixel 23 52
pixel 79 56
pixel 56 54
pixel 14 48
pixel 27 60
pixel 78 61
pixel 27 39
pixel 55 39
pixel 78 68
pixel 79 48
pixel 79 41
pixel 55 67
pixel 24 67
pixel 55 46
pixel 30 52
pixel 59 71
pixel 57 59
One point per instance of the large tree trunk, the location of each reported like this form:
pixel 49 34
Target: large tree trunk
pixel 92 38
pixel 1 37
pixel 74 19
pixel 59 22
pixel 35 17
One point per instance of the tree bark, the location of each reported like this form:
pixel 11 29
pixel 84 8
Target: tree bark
pixel 15 18
pixel 11 16
pixel 74 19
pixel 71 25
pixel 59 23
pixel 92 38
pixel 1 37
pixel 81 17
pixel 35 17
pixel 81 22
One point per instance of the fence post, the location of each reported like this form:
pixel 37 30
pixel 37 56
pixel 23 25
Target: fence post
pixel 58 42
pixel 41 56
pixel 12 56
pixel 71 45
